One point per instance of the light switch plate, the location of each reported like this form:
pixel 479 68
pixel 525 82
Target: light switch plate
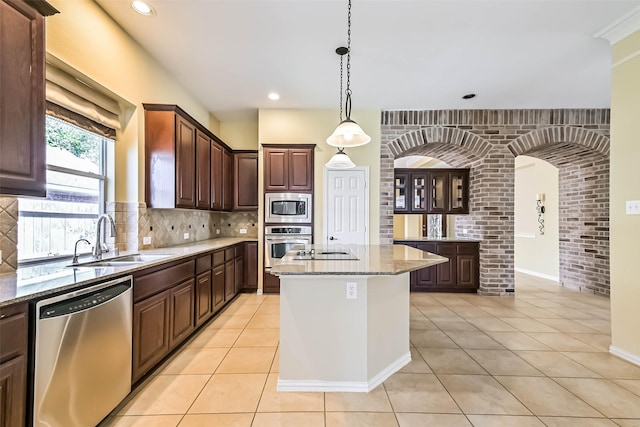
pixel 633 207
pixel 186 236
pixel 243 231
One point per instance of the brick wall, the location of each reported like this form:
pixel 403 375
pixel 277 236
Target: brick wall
pixel 487 142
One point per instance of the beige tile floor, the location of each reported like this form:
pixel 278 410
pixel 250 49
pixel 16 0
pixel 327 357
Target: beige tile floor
pixel 537 359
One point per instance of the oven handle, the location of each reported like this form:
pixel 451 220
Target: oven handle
pixel 284 239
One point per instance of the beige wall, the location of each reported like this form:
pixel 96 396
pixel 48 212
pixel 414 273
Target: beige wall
pixel 313 127
pixel 240 135
pixel 535 253
pixel 625 174
pixel 83 36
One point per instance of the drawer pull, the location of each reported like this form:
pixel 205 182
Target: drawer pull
pixel 204 279
pixel 219 273
pixel 2 316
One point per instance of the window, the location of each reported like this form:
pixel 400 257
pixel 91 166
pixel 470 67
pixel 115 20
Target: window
pixel 75 194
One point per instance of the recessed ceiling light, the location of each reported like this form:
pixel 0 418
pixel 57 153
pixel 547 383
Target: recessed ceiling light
pixel 469 96
pixel 143 8
pixel 274 96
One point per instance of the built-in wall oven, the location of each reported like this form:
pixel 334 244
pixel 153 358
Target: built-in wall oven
pixel 288 208
pixel 279 240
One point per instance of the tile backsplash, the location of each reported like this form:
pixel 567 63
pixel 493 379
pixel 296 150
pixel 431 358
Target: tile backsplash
pixel 9 234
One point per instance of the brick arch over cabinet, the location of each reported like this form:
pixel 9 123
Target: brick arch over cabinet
pixel 487 142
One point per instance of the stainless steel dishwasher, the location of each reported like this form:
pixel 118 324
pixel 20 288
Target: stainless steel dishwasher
pixel 82 354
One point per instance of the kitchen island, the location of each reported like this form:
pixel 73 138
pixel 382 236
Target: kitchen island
pixel 344 322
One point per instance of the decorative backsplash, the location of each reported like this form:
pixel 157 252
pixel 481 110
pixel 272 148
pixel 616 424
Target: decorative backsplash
pixel 9 234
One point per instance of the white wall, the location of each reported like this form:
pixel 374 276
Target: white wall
pixel 536 253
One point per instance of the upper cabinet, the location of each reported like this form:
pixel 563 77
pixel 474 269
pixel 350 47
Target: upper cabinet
pixel 288 168
pixel 434 191
pixel 245 166
pixel 189 167
pixel 22 97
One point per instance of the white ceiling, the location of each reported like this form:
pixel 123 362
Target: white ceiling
pixel 418 54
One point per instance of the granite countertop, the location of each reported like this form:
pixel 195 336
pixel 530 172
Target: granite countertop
pixel 372 260
pixel 44 279
pixel 435 239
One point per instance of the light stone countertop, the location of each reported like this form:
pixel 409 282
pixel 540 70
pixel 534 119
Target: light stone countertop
pixel 372 260
pixel 44 279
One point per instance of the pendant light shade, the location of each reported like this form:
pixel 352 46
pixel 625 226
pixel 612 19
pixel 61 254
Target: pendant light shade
pixel 340 161
pixel 348 134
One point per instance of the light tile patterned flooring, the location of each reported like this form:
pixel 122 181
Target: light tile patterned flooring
pixel 537 359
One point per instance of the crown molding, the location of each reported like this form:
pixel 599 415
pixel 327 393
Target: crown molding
pixel 622 27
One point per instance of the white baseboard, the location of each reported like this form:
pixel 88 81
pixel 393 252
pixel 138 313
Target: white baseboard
pixel 624 355
pixel 535 273
pixel 345 386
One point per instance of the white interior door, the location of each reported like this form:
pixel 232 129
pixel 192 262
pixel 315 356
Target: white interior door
pixel 346 215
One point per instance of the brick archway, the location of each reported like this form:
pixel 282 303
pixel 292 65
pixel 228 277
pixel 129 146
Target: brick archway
pixel 487 141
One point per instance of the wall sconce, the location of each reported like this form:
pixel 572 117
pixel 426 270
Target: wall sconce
pixel 540 210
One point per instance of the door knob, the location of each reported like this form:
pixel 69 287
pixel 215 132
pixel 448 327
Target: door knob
pixel 332 238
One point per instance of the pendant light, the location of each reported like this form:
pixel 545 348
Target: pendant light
pixel 340 160
pixel 348 133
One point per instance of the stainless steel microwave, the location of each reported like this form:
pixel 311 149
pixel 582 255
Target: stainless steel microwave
pixel 293 208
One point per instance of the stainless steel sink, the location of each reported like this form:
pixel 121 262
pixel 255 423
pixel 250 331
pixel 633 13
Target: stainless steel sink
pixel 122 261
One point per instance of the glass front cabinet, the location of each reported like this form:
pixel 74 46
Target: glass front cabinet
pixel 433 191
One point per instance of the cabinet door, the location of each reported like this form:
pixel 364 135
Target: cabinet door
pixel 245 167
pixel 419 192
pixel 229 280
pixel 12 392
pixel 401 196
pixel 459 192
pixel 301 169
pixel 438 190
pixel 251 265
pixel 239 274
pixel 216 176
pixel 425 279
pixel 150 333
pixel 276 169
pixel 203 171
pixel 203 297
pixel 468 266
pixel 182 316
pixel 218 287
pixel 22 100
pixel 270 283
pixel 185 163
pixel 227 180
pixel 447 271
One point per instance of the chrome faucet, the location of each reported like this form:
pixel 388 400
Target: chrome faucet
pixel 101 245
pixel 74 261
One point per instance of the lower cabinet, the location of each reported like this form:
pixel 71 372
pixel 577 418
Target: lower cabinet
pixel 150 333
pixel 182 313
pixel 229 274
pixel 270 283
pixel 204 297
pixel 460 274
pixel 251 265
pixel 13 365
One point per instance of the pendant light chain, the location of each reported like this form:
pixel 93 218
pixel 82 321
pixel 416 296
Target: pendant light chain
pixel 341 73
pixel 348 91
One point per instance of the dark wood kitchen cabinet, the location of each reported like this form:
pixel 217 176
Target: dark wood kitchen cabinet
pixel 229 273
pixel 22 98
pixel 460 274
pixel 433 191
pixel 288 168
pixel 163 312
pixel 13 364
pixel 203 170
pixel 218 280
pixel 227 180
pixel 245 167
pixel 170 158
pixel 251 266
pixel 239 269
pixel 216 176
pixel 204 289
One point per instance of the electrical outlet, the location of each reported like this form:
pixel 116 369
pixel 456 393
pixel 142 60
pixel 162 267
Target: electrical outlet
pixel 465 231
pixel 218 231
pixel 243 230
pixel 146 240
pixel 352 290
pixel 633 207
pixel 186 236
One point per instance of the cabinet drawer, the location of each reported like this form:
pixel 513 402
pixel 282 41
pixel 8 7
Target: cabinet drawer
pixel 218 258
pixel 229 253
pixel 467 248
pixel 203 264
pixel 149 284
pixel 13 333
